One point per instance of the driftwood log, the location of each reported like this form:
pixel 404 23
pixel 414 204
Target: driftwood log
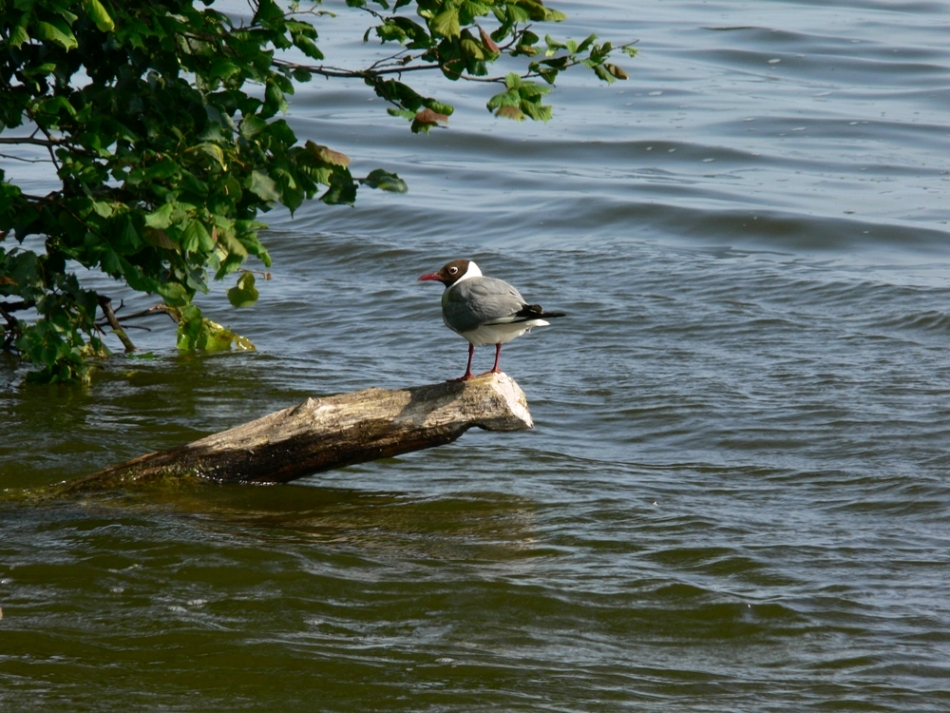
pixel 331 432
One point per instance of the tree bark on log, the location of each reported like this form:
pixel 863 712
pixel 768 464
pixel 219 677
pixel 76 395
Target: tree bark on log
pixel 331 432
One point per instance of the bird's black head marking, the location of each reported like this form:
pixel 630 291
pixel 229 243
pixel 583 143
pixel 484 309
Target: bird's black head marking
pixel 450 273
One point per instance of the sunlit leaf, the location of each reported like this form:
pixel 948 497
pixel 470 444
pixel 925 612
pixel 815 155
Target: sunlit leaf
pixel 428 118
pixel 327 155
pixel 244 294
pixel 57 32
pixel 509 111
pixel 446 23
pixel 97 13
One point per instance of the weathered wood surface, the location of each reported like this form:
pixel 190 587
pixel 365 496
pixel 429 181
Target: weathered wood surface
pixel 331 432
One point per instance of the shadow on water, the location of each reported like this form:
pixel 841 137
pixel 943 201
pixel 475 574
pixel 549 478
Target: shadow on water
pixel 473 526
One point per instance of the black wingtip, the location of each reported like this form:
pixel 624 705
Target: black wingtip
pixel 536 311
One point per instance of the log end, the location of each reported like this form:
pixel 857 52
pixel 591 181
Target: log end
pixel 511 406
pixel 493 402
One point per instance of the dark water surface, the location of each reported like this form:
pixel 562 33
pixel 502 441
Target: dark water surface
pixel 736 497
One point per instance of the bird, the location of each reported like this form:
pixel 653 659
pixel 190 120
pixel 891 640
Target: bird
pixel 484 310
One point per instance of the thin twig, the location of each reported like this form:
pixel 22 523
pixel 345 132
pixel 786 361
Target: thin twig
pixel 155 309
pixel 25 160
pixel 100 325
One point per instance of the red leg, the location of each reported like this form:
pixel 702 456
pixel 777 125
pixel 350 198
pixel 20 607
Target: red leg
pixel 495 369
pixel 468 369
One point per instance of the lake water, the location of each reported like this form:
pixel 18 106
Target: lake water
pixel 736 495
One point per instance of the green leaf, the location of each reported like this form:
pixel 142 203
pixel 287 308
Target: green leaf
pixel 302 75
pixel 470 48
pixel 583 46
pixel 340 193
pixel 109 261
pixel 197 332
pixel 446 23
pixel 252 125
pixel 196 237
pixel 211 150
pixel 244 294
pixel 57 32
pixel 518 14
pixel 174 294
pixel 127 237
pixel 18 34
pixel 160 218
pixel 166 168
pixel 604 73
pixel 262 185
pixel 553 46
pixel 223 68
pixel 274 97
pixel 404 113
pixel 509 98
pixel 439 107
pixel 54 105
pixel 103 208
pixel 308 47
pixel 536 111
pixel 385 181
pixel 97 13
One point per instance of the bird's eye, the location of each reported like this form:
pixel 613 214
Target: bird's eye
pixel 453 270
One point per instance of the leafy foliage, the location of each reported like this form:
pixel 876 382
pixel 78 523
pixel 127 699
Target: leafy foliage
pixel 162 121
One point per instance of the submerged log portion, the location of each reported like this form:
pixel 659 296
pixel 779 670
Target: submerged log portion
pixel 331 432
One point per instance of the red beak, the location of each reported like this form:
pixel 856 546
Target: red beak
pixel 430 276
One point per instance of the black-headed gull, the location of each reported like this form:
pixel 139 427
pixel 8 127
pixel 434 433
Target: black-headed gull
pixel 484 310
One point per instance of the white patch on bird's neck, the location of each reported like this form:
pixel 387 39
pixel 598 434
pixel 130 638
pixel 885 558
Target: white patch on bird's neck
pixel 471 271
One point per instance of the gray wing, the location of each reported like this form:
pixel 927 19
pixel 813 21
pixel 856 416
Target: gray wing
pixel 480 300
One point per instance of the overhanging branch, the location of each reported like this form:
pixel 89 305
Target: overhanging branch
pixel 334 72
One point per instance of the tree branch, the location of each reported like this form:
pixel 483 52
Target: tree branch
pixel 370 73
pixel 106 305
pixel 32 140
pixel 6 307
